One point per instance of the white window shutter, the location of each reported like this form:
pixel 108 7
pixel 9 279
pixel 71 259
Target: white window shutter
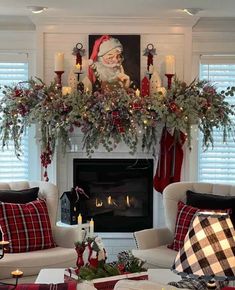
pixel 13 69
pixel 217 164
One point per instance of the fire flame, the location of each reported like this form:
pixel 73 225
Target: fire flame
pixel 110 200
pixel 98 203
pixel 128 201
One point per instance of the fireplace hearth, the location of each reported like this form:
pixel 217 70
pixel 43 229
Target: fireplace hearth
pixel 120 193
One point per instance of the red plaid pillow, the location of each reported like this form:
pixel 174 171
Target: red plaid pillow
pixel 26 226
pixel 184 217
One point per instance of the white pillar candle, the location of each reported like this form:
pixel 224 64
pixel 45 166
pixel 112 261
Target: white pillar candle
pixel 80 228
pixel 59 61
pixel 79 219
pixel 91 228
pixel 137 93
pixel 66 91
pixel 170 64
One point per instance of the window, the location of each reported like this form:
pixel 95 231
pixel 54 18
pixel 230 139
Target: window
pixel 13 69
pixel 218 164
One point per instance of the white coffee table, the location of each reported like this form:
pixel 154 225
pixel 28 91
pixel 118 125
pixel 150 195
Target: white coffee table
pixel 48 276
pixel 55 276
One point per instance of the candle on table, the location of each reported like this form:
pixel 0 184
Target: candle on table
pixel 79 219
pixel 4 243
pixel 170 64
pixel 17 274
pixel 66 91
pixel 80 228
pixel 91 228
pixel 137 93
pixel 59 61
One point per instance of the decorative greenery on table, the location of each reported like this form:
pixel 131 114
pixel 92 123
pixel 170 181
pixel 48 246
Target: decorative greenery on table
pixel 125 264
pixel 111 116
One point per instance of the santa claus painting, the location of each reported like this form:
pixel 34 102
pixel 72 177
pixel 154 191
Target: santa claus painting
pixel 115 60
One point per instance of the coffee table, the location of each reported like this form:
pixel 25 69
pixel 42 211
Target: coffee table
pixel 48 276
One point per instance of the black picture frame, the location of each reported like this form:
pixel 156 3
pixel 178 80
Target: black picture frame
pixel 131 54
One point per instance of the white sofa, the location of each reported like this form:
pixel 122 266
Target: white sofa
pixel 152 243
pixel 63 255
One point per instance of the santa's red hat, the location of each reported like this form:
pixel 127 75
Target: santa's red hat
pixel 101 46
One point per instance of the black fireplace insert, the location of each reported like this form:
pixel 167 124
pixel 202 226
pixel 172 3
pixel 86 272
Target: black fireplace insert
pixel 120 193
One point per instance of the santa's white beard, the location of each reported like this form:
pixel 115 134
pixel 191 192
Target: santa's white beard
pixel 108 73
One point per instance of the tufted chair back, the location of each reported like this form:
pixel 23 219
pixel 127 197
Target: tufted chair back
pixel 177 192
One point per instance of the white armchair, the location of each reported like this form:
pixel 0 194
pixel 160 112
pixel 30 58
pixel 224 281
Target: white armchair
pixel 63 255
pixel 152 243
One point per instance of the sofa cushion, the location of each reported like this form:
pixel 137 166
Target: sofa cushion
pixel 211 201
pixel 19 196
pixel 26 226
pixel 184 217
pixel 32 262
pixel 160 257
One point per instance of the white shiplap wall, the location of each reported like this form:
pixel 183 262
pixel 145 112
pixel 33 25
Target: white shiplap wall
pixel 166 41
pixel 164 44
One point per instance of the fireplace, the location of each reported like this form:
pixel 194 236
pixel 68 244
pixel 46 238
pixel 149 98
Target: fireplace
pixel 120 193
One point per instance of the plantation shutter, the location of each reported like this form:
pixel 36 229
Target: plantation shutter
pixel 13 69
pixel 217 165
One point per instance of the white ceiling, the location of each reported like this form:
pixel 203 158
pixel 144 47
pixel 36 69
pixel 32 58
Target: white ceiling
pixel 150 9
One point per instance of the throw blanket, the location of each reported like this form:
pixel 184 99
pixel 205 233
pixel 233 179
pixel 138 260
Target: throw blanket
pixel 196 284
pixel 61 286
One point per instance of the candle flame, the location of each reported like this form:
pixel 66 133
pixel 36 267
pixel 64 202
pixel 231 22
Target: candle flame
pixel 110 200
pixel 98 203
pixel 128 201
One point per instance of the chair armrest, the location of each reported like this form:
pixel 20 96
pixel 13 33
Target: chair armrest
pixel 152 238
pixel 65 236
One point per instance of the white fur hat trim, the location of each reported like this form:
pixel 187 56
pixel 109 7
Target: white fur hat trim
pixel 108 45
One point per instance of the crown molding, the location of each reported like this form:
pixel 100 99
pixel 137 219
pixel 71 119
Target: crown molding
pixel 208 36
pixel 130 21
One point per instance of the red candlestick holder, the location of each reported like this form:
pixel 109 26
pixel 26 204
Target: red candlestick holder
pixel 59 78
pixel 80 250
pixel 169 80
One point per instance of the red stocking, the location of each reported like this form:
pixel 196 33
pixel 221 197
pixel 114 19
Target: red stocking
pixel 177 154
pixel 163 172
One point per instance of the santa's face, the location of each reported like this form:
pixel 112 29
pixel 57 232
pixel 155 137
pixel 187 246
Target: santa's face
pixel 113 58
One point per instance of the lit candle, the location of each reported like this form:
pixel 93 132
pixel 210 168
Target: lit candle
pixel 137 93
pixel 80 228
pixel 59 61
pixel 66 91
pixel 170 64
pixel 79 219
pixel 78 66
pixel 91 228
pixel 151 69
pixel 17 274
pixel 4 243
